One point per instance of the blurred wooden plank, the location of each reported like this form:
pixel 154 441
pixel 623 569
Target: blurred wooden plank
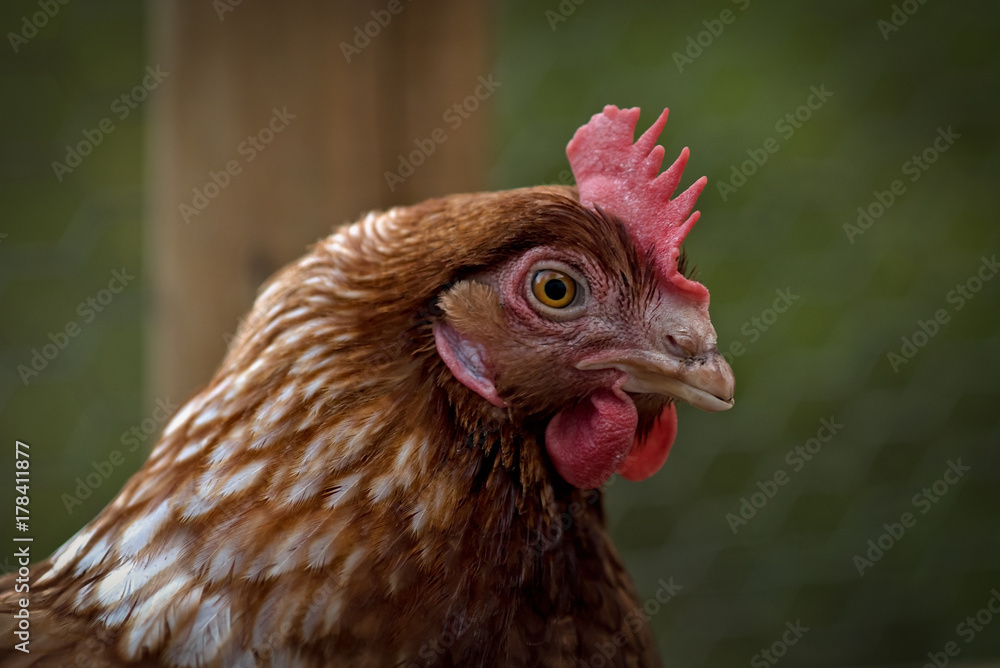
pixel 343 126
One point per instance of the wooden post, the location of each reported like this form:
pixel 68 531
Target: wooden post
pixel 277 122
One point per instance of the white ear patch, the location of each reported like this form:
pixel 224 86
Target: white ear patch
pixel 467 361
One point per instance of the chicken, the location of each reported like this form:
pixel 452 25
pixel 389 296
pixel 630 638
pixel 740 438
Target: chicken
pixel 399 461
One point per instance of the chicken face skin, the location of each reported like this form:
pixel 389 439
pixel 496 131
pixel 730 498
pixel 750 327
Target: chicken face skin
pixel 623 333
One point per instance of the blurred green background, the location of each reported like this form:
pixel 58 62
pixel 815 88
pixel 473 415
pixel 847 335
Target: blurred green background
pixel 781 228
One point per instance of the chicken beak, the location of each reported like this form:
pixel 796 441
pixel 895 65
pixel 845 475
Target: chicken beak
pixel 705 381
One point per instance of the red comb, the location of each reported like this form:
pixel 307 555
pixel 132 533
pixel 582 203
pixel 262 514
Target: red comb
pixel 622 179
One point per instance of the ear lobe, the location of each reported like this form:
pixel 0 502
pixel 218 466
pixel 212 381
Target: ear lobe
pixel 467 361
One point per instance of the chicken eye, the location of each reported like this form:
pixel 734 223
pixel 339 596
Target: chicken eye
pixel 553 288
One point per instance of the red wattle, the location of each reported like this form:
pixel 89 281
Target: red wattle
pixel 649 454
pixel 590 441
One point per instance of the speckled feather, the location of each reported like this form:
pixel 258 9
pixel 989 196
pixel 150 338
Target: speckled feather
pixel 335 497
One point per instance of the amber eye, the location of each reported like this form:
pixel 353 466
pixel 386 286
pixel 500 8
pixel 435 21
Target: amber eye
pixel 553 288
